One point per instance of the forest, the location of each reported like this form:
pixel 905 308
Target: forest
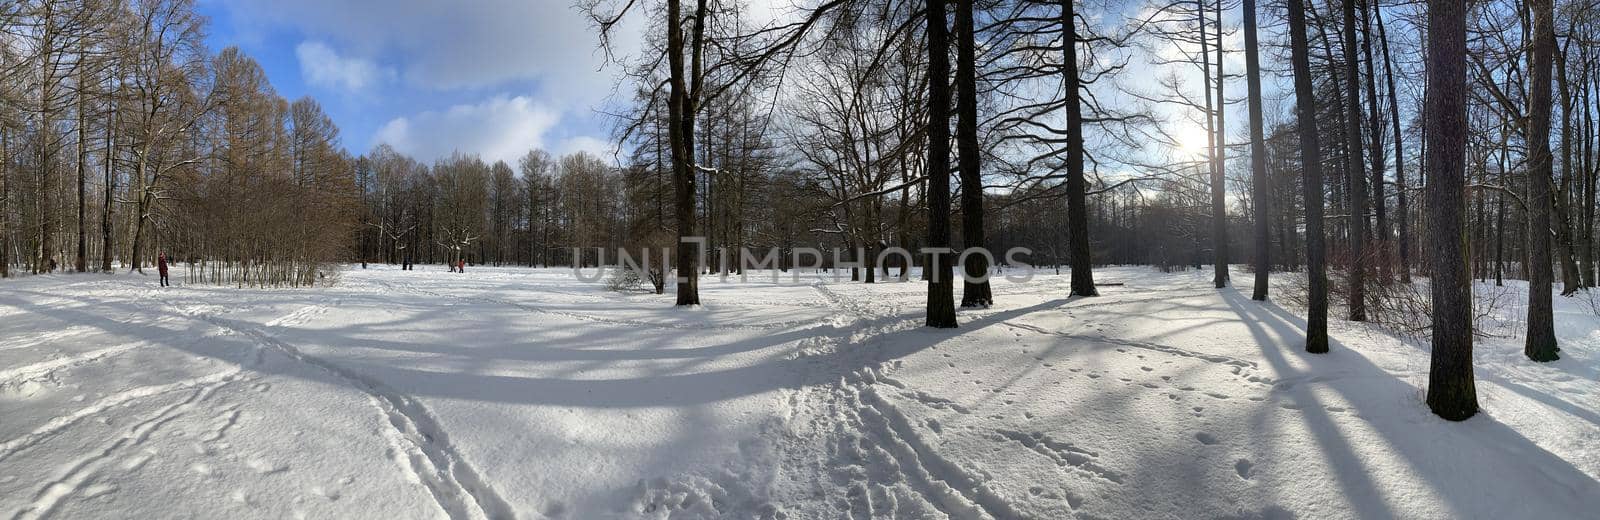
pixel 1364 143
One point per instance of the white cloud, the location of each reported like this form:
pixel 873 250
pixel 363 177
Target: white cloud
pixel 454 45
pixel 320 65
pixel 475 44
pixel 499 129
pixel 602 148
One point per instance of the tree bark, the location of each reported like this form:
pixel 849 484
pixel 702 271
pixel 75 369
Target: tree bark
pixel 1079 251
pixel 1311 169
pixel 1452 393
pixel 1258 154
pixel 5 201
pixel 941 300
pixel 1375 150
pixel 1541 339
pixel 975 293
pixel 1353 169
pixel 82 261
pixel 681 130
pixel 1399 155
pixel 1219 195
pixel 106 250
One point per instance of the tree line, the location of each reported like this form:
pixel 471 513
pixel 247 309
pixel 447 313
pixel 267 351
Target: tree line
pixel 123 137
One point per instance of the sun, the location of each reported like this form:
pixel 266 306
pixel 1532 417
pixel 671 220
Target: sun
pixel 1192 140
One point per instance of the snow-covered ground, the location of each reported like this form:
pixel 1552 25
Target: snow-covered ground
pixel 518 393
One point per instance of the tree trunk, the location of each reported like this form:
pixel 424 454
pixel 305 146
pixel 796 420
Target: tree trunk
pixel 1219 207
pixel 1570 279
pixel 941 298
pixel 142 209
pixel 1077 186
pixel 5 202
pixel 681 129
pixel 1375 150
pixel 1311 168
pixel 82 261
pixel 1258 154
pixel 1541 340
pixel 1399 155
pixel 1353 168
pixel 111 190
pixel 975 293
pixel 1452 393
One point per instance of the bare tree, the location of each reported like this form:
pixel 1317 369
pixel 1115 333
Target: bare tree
pixel 1541 340
pixel 1258 155
pixel 1311 169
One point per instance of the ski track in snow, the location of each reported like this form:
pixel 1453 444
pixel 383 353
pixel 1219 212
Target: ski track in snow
pixel 72 480
pixel 417 443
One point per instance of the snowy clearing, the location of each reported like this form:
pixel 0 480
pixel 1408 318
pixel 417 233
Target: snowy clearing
pixel 520 393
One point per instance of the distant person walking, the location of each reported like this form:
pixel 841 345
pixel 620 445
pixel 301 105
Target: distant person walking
pixel 461 265
pixel 161 267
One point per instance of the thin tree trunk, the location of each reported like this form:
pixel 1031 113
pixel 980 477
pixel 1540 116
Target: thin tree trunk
pixel 1570 278
pixel 1375 135
pixel 1358 181
pixel 1399 155
pixel 1258 154
pixel 82 261
pixel 1219 200
pixel 1311 168
pixel 5 202
pixel 1541 339
pixel 1079 252
pixel 106 249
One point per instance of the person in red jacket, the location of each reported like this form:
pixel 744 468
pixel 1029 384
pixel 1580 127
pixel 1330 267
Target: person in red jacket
pixel 161 267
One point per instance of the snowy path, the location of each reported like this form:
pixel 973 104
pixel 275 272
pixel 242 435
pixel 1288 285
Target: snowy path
pixel 512 393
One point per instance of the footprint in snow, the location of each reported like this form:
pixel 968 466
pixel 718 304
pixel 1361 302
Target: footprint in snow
pixel 1244 468
pixel 1205 438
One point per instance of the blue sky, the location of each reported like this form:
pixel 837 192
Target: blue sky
pixel 490 77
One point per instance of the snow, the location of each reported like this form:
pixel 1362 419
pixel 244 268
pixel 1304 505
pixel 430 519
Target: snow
pixel 526 393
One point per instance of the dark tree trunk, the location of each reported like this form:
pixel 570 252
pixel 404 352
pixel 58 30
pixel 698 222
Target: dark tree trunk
pixel 1219 194
pixel 1541 341
pixel 941 297
pixel 1077 186
pixel 1570 278
pixel 5 202
pixel 1311 168
pixel 1375 150
pixel 1451 391
pixel 111 190
pixel 1353 167
pixel 681 113
pixel 1219 207
pixel 974 293
pixel 1258 154
pixel 81 263
pixel 1399 155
